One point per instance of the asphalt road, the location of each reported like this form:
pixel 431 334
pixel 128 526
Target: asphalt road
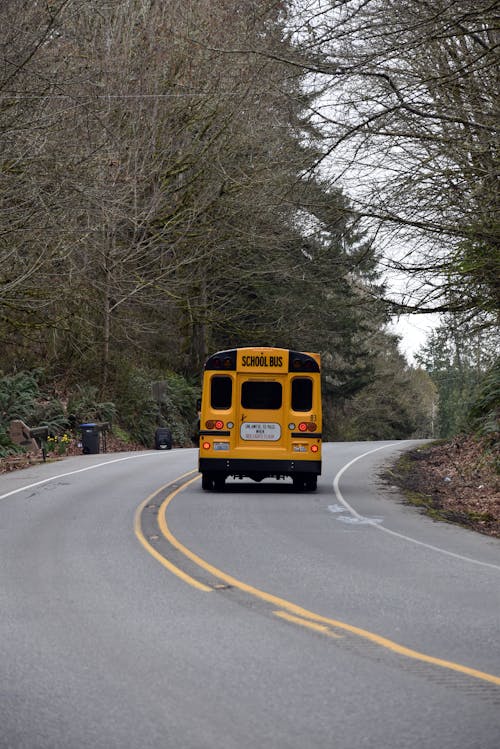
pixel 135 613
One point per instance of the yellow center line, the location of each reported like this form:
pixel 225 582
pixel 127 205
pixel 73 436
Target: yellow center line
pixel 165 562
pixel 306 623
pixel 298 611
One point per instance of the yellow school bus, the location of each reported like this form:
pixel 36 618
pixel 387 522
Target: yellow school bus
pixel 261 417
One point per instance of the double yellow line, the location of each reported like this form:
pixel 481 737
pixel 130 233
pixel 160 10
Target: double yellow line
pixel 286 609
pixel 142 538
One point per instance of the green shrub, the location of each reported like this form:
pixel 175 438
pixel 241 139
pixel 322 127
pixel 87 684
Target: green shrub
pixel 141 414
pixel 21 398
pixel 485 411
pixel 18 394
pixel 51 414
pixel 6 446
pixel 135 410
pixel 84 406
pixel 178 407
pixel 136 407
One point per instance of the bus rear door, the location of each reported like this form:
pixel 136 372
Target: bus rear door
pixel 260 411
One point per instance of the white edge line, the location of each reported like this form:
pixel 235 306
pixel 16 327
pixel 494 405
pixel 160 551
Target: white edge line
pixel 380 527
pixel 71 473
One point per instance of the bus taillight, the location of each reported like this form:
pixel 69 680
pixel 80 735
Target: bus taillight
pixel 206 445
pixel 307 426
pixel 314 448
pixel 211 424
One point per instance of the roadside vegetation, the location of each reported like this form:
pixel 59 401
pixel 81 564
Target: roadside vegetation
pixel 457 481
pixel 179 178
pixel 458 477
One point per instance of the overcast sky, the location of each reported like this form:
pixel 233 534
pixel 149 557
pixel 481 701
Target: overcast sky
pixel 414 330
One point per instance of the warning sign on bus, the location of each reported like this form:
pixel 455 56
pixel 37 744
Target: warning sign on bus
pixel 253 430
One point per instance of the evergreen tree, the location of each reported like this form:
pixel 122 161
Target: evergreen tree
pixel 457 357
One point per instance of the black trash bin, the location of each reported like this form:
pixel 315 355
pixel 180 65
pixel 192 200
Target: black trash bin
pixel 163 439
pixel 90 439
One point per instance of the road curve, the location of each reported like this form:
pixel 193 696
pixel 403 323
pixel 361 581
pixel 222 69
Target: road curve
pixel 139 611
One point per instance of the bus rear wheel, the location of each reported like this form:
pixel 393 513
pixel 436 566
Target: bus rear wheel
pixel 310 482
pixel 207 481
pixel 219 482
pixel 305 482
pixel 213 480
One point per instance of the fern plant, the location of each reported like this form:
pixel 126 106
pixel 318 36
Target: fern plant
pixel 84 405
pixel 485 411
pixel 18 394
pixel 6 446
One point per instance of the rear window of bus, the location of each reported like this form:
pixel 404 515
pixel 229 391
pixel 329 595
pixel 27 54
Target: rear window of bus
pixel 302 392
pixel 221 392
pixel 261 394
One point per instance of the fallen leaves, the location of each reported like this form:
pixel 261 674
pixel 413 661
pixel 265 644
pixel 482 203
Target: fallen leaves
pixel 457 481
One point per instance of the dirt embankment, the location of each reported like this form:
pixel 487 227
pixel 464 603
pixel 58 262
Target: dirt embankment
pixel 457 481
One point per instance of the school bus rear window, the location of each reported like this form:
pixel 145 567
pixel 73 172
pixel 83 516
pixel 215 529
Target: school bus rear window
pixel 302 393
pixel 261 394
pixel 221 392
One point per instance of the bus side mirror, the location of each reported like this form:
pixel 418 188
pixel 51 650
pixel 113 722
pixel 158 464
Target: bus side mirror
pixel 198 404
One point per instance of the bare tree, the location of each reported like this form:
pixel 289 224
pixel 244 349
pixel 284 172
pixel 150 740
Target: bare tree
pixel 409 115
pixel 169 186
pixel 27 240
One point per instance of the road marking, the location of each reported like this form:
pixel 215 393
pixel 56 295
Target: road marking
pixel 156 554
pixel 306 623
pixel 72 473
pixel 375 523
pixel 298 611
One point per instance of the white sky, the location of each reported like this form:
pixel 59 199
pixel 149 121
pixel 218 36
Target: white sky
pixel 414 330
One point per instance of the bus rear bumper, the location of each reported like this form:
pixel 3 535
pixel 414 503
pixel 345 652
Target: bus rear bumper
pixel 250 468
